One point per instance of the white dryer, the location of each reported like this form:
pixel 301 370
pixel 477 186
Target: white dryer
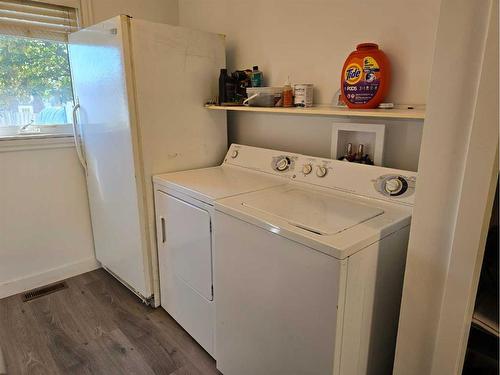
pixel 309 275
pixel 184 218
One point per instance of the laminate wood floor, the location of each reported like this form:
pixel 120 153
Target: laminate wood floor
pixel 96 326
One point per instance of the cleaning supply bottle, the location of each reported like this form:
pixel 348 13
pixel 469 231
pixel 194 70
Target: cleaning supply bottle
pixel 223 79
pixel 365 77
pixel 287 94
pixel 256 77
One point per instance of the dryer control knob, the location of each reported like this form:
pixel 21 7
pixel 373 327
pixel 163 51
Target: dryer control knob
pixel 321 171
pixel 307 168
pixel 234 154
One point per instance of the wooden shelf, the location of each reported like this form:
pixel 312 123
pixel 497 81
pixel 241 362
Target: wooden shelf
pixel 400 112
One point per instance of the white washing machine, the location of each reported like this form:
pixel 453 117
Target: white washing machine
pixel 184 218
pixel 309 275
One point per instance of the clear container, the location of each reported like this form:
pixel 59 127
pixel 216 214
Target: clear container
pixel 264 96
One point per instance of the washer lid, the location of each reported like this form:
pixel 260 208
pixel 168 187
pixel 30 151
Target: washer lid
pixel 209 184
pixel 313 211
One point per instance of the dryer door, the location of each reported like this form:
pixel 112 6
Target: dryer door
pixel 188 244
pixel 185 264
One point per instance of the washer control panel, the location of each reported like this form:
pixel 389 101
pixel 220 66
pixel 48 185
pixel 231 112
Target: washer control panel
pixel 370 181
pixel 320 167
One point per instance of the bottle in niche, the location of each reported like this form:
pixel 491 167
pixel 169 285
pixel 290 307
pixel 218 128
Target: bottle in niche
pixel 367 160
pixel 348 156
pixel 360 153
pixel 361 157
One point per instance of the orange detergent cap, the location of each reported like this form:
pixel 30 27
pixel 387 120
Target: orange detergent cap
pixel 366 46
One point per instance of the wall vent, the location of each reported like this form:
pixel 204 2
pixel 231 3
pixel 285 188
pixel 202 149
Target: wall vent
pixel 43 291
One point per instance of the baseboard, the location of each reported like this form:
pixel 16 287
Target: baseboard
pixel 11 287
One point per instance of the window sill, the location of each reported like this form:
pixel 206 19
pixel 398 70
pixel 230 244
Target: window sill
pixel 26 142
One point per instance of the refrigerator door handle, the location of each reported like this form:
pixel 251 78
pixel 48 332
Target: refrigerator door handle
pixel 76 136
pixel 163 234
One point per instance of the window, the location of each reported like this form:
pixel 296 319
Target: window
pixel 35 82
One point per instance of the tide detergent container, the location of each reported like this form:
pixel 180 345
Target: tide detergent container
pixel 365 77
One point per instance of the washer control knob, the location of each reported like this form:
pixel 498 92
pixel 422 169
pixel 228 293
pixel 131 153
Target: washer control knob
pixel 234 154
pixel 321 171
pixel 307 168
pixel 393 186
pixel 282 164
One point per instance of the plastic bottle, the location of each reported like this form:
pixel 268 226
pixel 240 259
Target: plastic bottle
pixel 231 90
pixel 256 77
pixel 365 77
pixel 242 80
pixel 223 78
pixel 287 94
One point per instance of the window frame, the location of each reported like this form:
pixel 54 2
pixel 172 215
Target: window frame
pixel 45 131
pixel 84 17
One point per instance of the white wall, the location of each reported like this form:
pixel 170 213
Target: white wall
pixel 45 232
pixel 45 229
pixel 459 144
pixel 163 11
pixel 309 40
pixel 312 135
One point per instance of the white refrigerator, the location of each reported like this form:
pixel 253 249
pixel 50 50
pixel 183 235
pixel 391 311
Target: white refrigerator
pixel 139 91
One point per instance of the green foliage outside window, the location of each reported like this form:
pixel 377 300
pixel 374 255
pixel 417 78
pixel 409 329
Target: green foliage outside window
pixel 32 69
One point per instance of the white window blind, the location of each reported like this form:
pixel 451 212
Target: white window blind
pixel 34 19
